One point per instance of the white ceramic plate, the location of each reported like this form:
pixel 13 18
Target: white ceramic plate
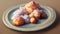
pixel 44 23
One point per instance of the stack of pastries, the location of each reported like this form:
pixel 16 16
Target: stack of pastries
pixel 31 13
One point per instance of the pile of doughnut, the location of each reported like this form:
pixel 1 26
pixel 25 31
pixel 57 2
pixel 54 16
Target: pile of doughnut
pixel 31 13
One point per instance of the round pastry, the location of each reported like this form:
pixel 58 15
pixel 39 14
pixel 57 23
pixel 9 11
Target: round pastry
pixel 31 6
pixel 18 21
pixel 20 12
pixel 29 10
pixel 37 13
pixel 43 15
pixel 33 20
pixel 31 15
pixel 26 18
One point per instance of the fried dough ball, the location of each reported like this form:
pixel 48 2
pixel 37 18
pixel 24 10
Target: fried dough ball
pixel 36 15
pixel 26 18
pixel 31 15
pixel 43 15
pixel 33 20
pixel 31 6
pixel 29 10
pixel 18 21
pixel 18 12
